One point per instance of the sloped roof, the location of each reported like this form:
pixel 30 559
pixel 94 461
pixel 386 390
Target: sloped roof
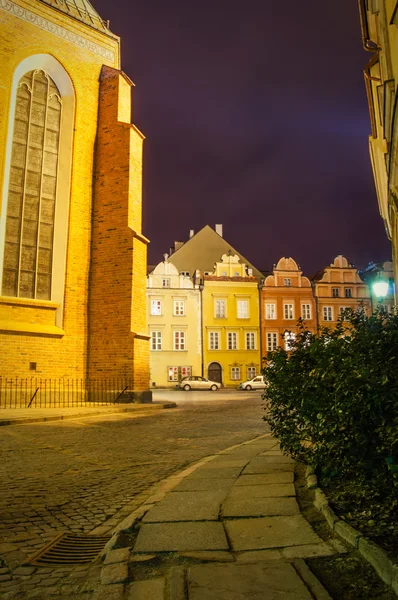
pixel 81 10
pixel 202 250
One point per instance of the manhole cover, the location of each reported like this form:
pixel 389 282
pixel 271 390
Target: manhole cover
pixel 69 549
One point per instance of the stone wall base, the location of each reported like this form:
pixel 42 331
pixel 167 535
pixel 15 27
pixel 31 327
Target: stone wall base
pixel 136 397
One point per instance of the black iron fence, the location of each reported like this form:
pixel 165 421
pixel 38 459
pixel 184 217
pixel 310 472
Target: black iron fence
pixel 58 393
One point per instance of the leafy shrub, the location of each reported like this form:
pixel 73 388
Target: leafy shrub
pixel 333 401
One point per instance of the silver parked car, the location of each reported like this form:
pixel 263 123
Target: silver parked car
pixel 194 382
pixel 257 383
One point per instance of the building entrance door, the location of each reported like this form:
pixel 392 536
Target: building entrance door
pixel 214 372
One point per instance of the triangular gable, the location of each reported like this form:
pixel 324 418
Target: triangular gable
pixel 203 250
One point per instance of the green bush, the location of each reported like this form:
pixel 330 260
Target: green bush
pixel 333 401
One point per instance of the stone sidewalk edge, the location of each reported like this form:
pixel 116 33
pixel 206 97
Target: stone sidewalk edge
pixel 371 552
pixel 115 562
pixel 142 408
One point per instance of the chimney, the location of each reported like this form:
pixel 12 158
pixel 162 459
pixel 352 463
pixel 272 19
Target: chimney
pixel 191 233
pixel 177 245
pixel 171 250
pixel 219 230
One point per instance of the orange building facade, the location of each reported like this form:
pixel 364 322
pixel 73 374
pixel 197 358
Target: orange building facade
pixel 337 288
pixel 286 295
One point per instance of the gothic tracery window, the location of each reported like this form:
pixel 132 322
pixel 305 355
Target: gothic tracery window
pixel 29 237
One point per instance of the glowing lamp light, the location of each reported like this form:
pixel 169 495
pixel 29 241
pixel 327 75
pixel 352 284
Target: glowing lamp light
pixel 380 288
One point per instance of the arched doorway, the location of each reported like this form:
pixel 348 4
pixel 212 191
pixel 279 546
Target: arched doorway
pixel 214 372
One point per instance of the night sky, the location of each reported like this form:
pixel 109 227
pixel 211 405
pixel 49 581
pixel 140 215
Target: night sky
pixel 255 116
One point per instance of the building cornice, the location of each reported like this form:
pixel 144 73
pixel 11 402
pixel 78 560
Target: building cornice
pixel 62 32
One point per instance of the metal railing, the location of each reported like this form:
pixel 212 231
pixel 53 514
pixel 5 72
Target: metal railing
pixel 58 393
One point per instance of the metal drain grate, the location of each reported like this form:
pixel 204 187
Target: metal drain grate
pixel 69 549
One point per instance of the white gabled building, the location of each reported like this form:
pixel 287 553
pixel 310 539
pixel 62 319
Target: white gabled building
pixel 174 325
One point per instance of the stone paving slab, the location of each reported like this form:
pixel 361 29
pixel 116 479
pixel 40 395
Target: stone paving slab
pixel 227 462
pixel 216 473
pixel 191 485
pixel 270 532
pixel 265 478
pixel 174 537
pixel 261 465
pixel 187 506
pixel 259 507
pixel 242 452
pixel 272 490
pixel 307 551
pixel 149 589
pixel 266 581
pixel 267 457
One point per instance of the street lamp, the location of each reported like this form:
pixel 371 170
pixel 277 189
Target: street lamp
pixel 380 288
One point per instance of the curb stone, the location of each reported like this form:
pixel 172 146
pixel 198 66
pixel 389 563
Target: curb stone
pixel 147 410
pixel 371 552
pixel 312 583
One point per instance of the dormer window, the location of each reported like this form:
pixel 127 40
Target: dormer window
pixel 166 283
pixel 287 282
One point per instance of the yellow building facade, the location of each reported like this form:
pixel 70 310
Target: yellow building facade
pixel 231 323
pixel 174 325
pixel 72 253
pixel 379 21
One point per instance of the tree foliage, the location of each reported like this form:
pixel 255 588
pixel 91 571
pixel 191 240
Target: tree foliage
pixel 333 401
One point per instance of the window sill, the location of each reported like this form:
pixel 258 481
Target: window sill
pixel 31 328
pixel 10 300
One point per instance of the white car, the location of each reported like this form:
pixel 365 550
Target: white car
pixel 257 383
pixel 195 382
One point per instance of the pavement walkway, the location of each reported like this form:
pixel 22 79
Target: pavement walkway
pixel 227 528
pixel 20 416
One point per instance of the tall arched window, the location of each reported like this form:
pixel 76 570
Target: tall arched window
pixel 29 235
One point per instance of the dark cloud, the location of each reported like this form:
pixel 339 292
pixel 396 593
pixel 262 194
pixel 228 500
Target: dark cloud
pixel 256 117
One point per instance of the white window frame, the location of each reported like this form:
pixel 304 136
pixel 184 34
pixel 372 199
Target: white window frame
pixel 348 289
pixel 156 341
pixel 220 308
pixel 186 371
pixel 287 281
pixel 166 282
pixel 235 374
pixel 306 312
pixel 179 308
pixel 251 372
pixel 250 340
pixel 288 312
pixel 232 340
pixel 158 310
pixel 214 340
pixel 341 310
pixel 270 311
pixel 272 340
pixel 327 312
pixel 289 338
pixel 172 373
pixel 179 341
pixel 240 313
pixel 335 292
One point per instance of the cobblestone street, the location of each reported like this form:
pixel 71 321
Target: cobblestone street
pixel 75 475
